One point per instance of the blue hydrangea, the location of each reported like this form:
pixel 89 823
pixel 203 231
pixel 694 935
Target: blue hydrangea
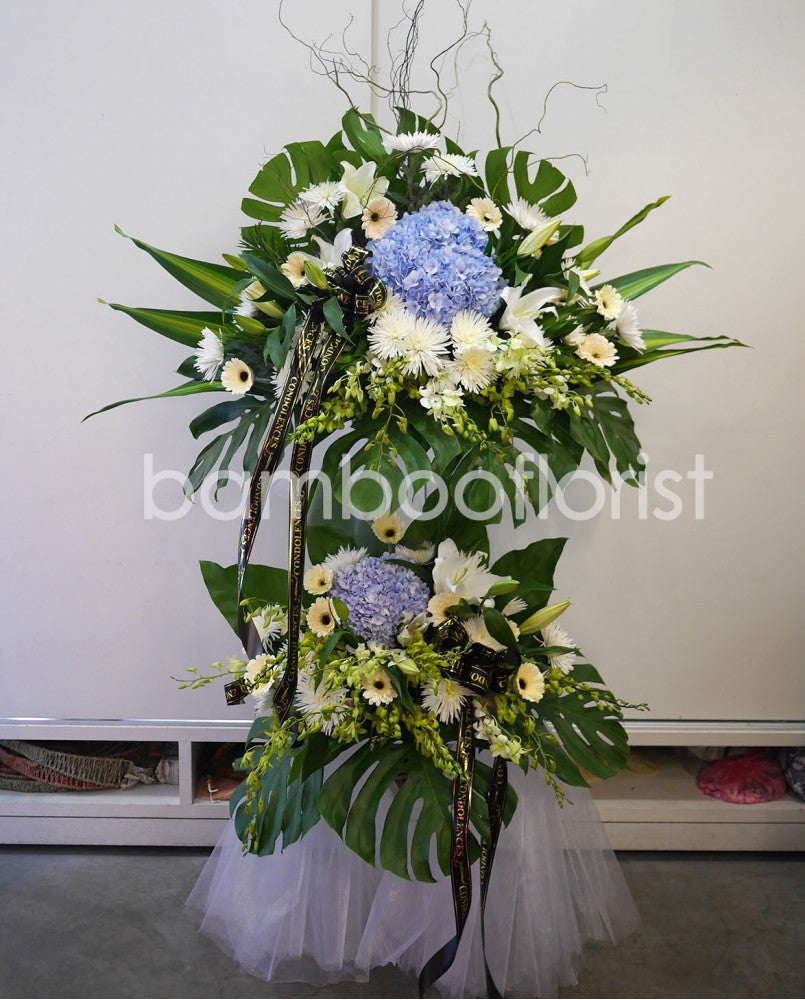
pixel 380 595
pixel 435 260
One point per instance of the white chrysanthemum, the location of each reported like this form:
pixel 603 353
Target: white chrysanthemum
pixel 485 212
pixel 448 165
pixel 526 215
pixel 346 556
pixel 410 142
pixel 555 635
pixel 378 217
pixel 321 618
pixel 425 348
pixel 575 337
pixel 389 335
pixel 598 350
pixel 439 605
pixel 318 579
pixel 608 302
pixel 322 705
pixel 514 606
pixel 471 329
pixel 420 556
pixel 377 688
pixel 294 268
pixel 529 682
pixel 445 700
pixel 325 196
pixel 441 394
pixel 246 305
pixel 389 528
pixel 474 368
pixel 628 327
pixel 360 186
pixel 298 219
pixel 209 354
pixel 271 622
pixel 237 377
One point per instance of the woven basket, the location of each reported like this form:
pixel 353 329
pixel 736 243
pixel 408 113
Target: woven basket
pixel 26 767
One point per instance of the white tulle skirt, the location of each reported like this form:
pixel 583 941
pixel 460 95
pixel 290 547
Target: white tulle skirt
pixel 318 914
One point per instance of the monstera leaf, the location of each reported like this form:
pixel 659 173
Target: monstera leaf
pixel 415 815
pixel 265 583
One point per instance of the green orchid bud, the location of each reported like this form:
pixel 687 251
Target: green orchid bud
pixel 537 238
pixel 543 617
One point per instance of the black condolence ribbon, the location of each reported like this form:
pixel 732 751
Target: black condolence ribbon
pixel 358 293
pixel 481 671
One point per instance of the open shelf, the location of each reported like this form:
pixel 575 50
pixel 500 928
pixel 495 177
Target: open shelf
pixel 641 811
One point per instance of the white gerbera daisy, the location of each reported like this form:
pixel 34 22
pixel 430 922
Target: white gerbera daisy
pixel 608 302
pixel 628 327
pixel 529 682
pixel 321 618
pixel 322 705
pixel 474 368
pixel 346 556
pixel 439 605
pixel 555 635
pixel 425 347
pixel 237 377
pixel 378 217
pixel 470 329
pixel 209 354
pixel 294 268
pixel 420 556
pixel 325 196
pixel 318 579
pixel 445 700
pixel 485 212
pixel 448 165
pixel 598 350
pixel 377 688
pixel 389 528
pixel 298 219
pixel 389 335
pixel 410 142
pixel 526 215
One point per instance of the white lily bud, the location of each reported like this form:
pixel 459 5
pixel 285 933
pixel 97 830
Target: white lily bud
pixel 543 617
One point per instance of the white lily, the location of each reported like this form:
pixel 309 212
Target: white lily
pixel 330 254
pixel 464 575
pixel 523 309
pixel 360 187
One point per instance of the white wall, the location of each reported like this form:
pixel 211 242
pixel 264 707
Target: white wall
pixel 155 116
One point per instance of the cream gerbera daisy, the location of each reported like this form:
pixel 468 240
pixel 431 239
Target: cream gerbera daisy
pixel 209 354
pixel 377 688
pixel 486 212
pixel 237 377
pixel 294 268
pixel 410 142
pixel 321 618
pixel 554 635
pixel 526 215
pixel 389 335
pixel 318 579
pixel 378 217
pixel 608 302
pixel 420 556
pixel 298 219
pixel 389 528
pixel 474 368
pixel 425 348
pixel 439 605
pixel 448 165
pixel 470 329
pixel 529 682
pixel 347 555
pixel 628 327
pixel 445 700
pixel 597 350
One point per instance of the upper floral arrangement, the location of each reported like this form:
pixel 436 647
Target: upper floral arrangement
pixel 497 334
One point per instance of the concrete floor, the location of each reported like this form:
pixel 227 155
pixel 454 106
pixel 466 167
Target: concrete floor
pixel 96 922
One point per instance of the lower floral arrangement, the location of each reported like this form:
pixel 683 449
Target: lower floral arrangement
pixel 423 673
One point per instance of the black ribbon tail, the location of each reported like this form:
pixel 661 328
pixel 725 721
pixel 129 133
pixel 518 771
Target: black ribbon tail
pixel 298 497
pixel 460 871
pixel 496 805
